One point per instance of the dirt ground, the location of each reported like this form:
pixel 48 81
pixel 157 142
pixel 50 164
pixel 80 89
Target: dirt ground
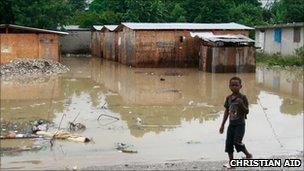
pixel 194 165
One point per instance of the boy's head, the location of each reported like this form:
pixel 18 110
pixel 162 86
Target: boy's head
pixel 235 84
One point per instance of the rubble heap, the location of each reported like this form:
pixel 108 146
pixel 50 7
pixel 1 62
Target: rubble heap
pixel 19 67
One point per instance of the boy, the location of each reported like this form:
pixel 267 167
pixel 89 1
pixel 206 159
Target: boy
pixel 236 106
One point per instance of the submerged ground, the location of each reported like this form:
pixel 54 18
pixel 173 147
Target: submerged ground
pixel 165 115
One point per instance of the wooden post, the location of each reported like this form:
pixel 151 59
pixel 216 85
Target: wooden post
pixel 59 48
pixel 6 28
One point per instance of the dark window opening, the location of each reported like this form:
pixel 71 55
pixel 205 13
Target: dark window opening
pixel 181 39
pixel 297 34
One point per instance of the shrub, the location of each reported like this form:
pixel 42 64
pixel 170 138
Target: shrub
pixel 296 60
pixel 300 51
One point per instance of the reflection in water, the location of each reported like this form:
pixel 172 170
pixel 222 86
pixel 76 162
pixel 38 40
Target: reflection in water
pixel 145 87
pixel 286 83
pixel 175 106
pixel 164 97
pixel 30 100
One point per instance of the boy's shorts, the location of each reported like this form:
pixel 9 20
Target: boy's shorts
pixel 235 134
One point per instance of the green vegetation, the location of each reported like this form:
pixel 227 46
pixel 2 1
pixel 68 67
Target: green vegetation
pixel 271 60
pixel 53 13
pixel 39 13
pixel 300 51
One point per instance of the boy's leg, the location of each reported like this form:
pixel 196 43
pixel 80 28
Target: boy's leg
pixel 230 155
pixel 248 155
pixel 229 139
pixel 238 137
pixel 229 144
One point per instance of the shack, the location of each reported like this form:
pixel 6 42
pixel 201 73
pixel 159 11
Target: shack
pixel 96 41
pixel 166 44
pixel 28 42
pixel 77 42
pixel 281 39
pixel 225 53
pixel 109 40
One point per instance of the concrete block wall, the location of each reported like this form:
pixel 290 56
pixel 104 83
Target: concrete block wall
pixel 287 45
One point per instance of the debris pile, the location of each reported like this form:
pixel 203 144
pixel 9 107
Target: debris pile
pixel 64 135
pixel 20 67
pixel 21 130
pixel 125 148
pixel 37 129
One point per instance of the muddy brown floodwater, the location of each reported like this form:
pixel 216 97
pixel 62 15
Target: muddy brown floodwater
pixel 165 114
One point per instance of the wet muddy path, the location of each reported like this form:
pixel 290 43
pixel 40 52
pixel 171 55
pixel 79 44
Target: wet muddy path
pixel 164 114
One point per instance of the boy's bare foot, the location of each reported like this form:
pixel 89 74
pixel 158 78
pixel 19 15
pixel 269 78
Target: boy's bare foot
pixel 227 166
pixel 249 156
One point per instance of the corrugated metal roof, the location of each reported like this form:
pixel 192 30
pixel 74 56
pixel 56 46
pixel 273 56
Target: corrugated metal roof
pixel 298 24
pixel 74 27
pixel 111 27
pixel 186 26
pixel 31 29
pixel 97 27
pixel 201 34
pixel 210 37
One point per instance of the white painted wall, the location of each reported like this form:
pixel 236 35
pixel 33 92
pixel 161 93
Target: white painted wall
pixel 287 45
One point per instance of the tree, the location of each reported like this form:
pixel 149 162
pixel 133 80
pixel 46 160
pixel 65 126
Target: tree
pixel 247 14
pixel 193 8
pixel 53 13
pixel 252 2
pixel 144 11
pixel 36 13
pixel 287 11
pixel 277 12
pixel 88 19
pixel 6 12
pixel 178 14
pixel 294 11
pixel 78 5
pixel 108 5
pixel 213 11
pixel 157 11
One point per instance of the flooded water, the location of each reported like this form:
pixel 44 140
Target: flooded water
pixel 166 114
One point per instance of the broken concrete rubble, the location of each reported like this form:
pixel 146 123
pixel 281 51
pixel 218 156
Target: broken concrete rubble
pixel 20 67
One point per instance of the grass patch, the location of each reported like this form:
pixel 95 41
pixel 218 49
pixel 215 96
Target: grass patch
pixel 272 60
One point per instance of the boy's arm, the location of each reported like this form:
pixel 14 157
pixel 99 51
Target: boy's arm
pixel 226 114
pixel 243 104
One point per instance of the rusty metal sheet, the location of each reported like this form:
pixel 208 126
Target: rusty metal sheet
pixel 121 47
pixel 96 43
pixel 158 48
pixel 125 43
pixel 116 47
pixel 162 48
pixel 233 32
pixel 48 46
pixel 109 50
pixel 227 59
